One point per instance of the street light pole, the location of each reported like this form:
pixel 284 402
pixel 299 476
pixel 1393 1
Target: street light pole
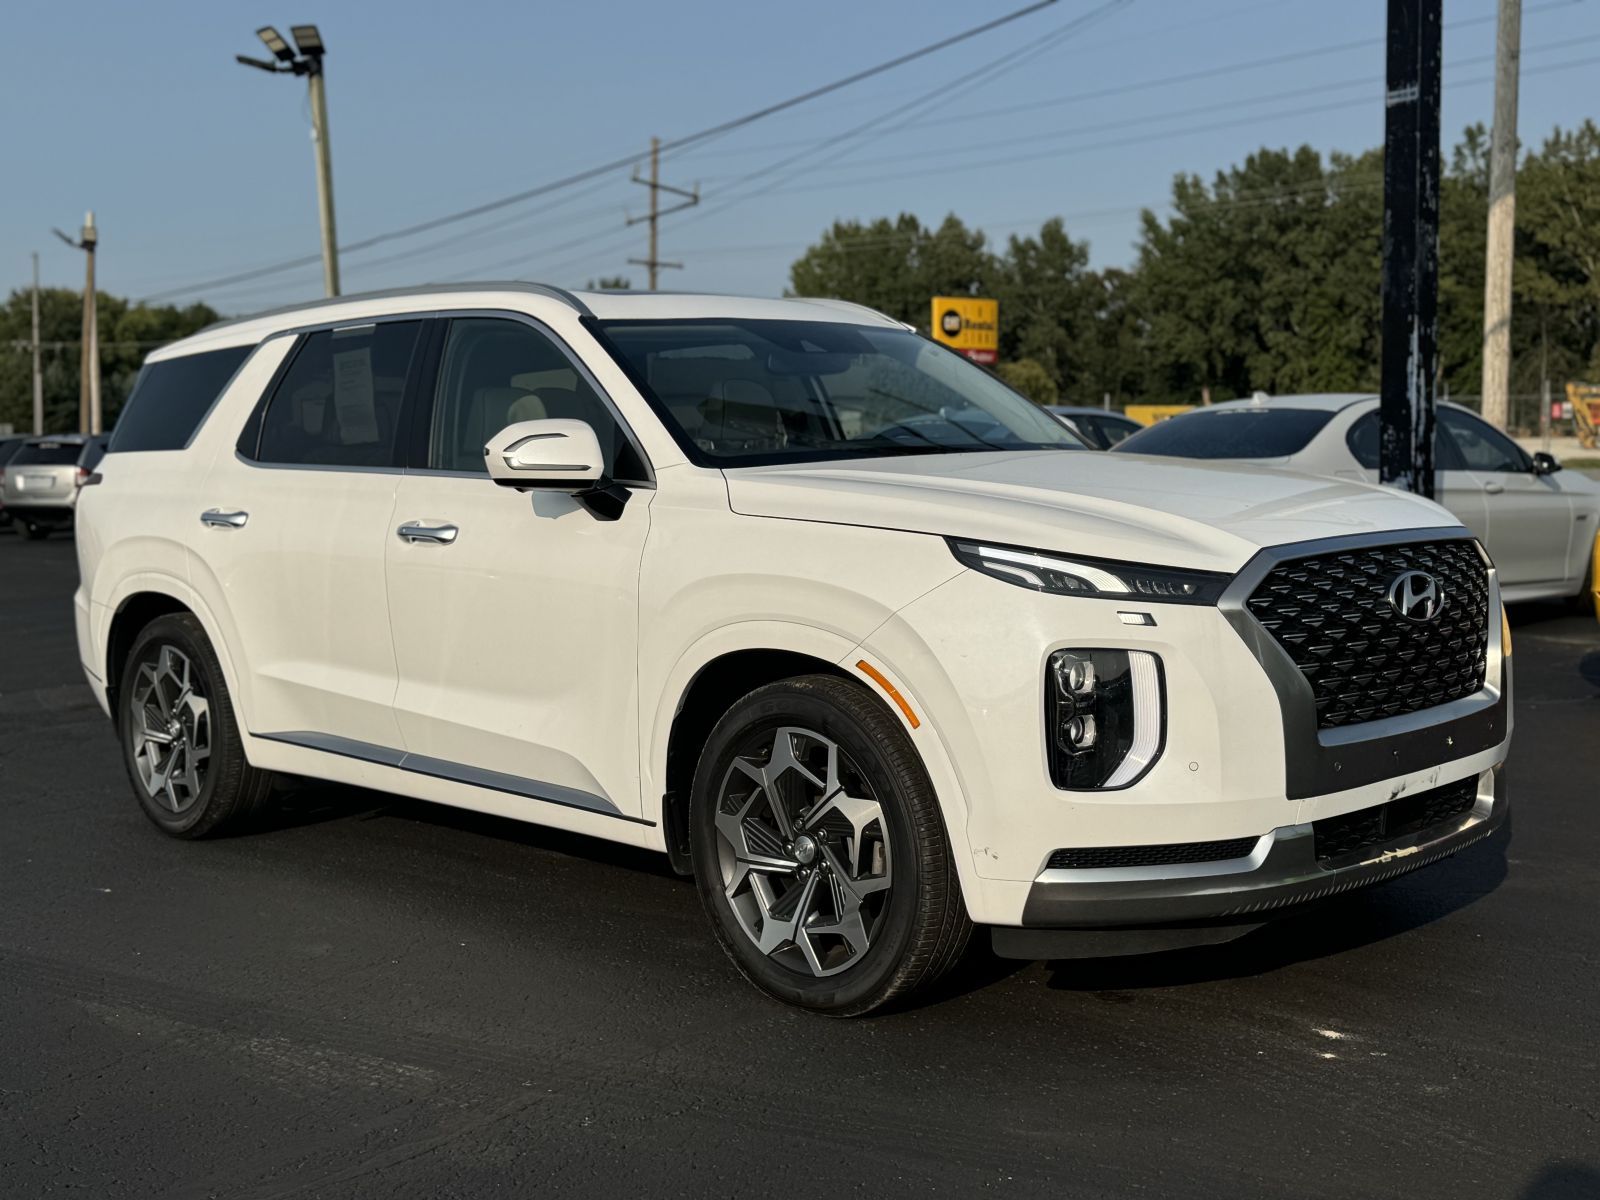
pixel 308 62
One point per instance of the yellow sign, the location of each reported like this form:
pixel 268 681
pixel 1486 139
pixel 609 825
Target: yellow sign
pixel 968 326
pixel 1149 414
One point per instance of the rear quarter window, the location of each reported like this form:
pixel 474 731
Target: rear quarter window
pixel 1230 433
pixel 172 397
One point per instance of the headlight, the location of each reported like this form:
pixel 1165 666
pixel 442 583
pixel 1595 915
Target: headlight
pixel 1090 576
pixel 1104 716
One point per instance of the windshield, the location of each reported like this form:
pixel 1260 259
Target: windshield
pixel 741 393
pixel 1230 433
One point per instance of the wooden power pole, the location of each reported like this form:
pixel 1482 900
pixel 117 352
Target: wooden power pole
pixel 89 363
pixel 1502 218
pixel 1410 246
pixel 38 374
pixel 654 263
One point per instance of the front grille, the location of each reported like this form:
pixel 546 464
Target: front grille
pixel 1339 837
pixel 1171 854
pixel 1363 660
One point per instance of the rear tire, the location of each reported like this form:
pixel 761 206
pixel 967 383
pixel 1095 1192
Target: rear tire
pixel 180 742
pixel 829 879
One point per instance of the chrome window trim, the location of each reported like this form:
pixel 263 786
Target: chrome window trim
pixel 452 772
pixel 436 314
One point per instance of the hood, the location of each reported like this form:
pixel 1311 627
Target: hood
pixel 1163 511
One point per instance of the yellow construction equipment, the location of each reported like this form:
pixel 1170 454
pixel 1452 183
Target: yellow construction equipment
pixel 1585 401
pixel 1149 414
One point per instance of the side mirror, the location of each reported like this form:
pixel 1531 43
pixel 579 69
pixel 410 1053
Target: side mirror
pixel 556 455
pixel 1545 464
pixel 561 455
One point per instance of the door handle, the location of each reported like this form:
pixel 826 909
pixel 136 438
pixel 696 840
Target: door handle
pixel 1494 489
pixel 218 519
pixel 435 535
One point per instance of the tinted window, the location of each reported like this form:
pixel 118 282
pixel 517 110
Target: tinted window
pixel 1230 433
pixel 1112 430
pixel 339 402
pixel 172 397
pixel 495 373
pixel 94 452
pixel 1363 442
pixel 1483 447
pixel 738 392
pixel 8 449
pixel 48 454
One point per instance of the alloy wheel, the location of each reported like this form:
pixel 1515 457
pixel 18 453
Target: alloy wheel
pixel 171 730
pixel 804 850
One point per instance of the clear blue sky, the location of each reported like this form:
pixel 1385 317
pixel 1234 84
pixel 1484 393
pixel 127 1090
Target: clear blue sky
pixel 197 167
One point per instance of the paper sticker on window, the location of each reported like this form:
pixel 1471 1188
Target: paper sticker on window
pixel 353 400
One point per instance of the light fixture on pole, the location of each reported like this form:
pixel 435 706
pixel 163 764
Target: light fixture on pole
pixel 305 58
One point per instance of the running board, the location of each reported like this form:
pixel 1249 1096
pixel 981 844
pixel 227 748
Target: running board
pixel 438 768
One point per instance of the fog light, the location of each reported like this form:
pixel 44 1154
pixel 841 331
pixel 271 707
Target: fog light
pixel 1105 713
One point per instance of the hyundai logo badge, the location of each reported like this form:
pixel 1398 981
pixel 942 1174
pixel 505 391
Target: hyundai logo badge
pixel 1416 596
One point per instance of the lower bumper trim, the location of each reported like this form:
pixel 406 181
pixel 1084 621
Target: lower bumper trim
pixel 1287 874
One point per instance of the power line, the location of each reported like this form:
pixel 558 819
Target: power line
pixel 584 176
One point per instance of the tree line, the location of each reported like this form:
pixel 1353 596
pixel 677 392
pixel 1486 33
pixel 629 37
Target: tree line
pixel 127 333
pixel 1266 278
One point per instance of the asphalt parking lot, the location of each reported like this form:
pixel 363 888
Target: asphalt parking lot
pixel 377 997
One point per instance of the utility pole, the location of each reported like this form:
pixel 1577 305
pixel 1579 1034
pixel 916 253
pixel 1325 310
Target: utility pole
pixel 308 62
pixel 1502 218
pixel 1410 246
pixel 653 263
pixel 89 362
pixel 38 375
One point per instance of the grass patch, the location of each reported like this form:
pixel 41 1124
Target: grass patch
pixel 1582 464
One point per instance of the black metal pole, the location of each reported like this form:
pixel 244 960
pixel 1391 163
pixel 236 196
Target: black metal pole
pixel 1410 245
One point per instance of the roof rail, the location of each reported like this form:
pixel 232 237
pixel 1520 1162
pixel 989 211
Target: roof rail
pixel 513 285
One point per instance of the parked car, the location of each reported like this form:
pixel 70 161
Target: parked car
pixel 743 581
pixel 1099 428
pixel 8 447
pixel 40 484
pixel 1538 521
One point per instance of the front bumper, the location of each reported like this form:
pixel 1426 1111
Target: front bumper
pixel 1083 913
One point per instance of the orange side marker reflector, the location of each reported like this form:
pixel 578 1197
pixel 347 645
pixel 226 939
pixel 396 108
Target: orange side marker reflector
pixel 893 692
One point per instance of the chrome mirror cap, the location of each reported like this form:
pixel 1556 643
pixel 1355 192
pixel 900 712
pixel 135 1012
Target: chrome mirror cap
pixel 559 454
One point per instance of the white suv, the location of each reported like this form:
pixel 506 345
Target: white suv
pixel 851 632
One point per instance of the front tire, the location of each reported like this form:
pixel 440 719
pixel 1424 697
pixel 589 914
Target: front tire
pixel 180 742
pixel 820 852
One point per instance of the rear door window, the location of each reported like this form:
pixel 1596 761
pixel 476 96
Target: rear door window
pixel 338 404
pixel 172 397
pixel 1363 442
pixel 1231 433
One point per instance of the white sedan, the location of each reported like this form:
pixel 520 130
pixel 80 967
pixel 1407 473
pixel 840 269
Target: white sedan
pixel 1538 521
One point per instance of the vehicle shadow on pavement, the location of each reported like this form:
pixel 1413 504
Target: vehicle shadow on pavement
pixel 309 802
pixel 1564 1181
pixel 1329 927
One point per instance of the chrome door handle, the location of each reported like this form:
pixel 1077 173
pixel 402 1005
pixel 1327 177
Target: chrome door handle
pixel 436 535
pixel 1494 489
pixel 218 519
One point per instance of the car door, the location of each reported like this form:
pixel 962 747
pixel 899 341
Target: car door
pixel 1454 486
pixel 1530 517
pixel 293 527
pixel 515 614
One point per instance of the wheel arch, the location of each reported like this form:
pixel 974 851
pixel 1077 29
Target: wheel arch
pixel 142 599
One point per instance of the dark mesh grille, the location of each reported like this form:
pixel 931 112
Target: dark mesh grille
pixel 1362 659
pixel 1151 856
pixel 1339 837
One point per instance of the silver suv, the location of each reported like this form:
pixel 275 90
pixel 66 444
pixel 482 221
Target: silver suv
pixel 41 482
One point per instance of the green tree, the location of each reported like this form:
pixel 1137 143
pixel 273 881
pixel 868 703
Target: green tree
pixel 1032 379
pixel 127 334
